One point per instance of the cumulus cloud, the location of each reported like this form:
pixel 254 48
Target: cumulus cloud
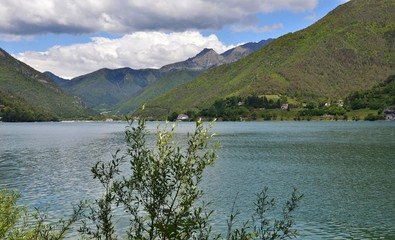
pixel 148 46
pixel 14 38
pixel 138 50
pixel 258 29
pixel 19 17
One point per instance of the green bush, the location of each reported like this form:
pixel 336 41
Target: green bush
pixel 10 213
pixel 160 194
pixel 373 117
pixel 17 224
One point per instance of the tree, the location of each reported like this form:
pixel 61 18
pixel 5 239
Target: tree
pixel 159 191
pixel 172 117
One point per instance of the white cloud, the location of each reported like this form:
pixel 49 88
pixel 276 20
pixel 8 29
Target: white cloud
pixel 288 5
pixel 146 19
pixel 138 50
pixel 14 38
pixel 20 17
pixel 258 29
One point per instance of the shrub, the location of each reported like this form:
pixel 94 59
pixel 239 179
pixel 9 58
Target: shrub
pixel 16 223
pixel 160 194
pixel 373 117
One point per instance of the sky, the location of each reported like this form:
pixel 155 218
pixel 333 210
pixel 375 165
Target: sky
pixel 71 38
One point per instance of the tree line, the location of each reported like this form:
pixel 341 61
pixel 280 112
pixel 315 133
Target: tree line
pixel 379 98
pixel 16 109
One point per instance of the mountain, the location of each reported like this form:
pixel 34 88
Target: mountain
pixel 58 80
pixel 167 82
pixel 350 49
pixel 124 90
pixel 244 50
pixel 105 88
pixel 208 58
pixel 29 87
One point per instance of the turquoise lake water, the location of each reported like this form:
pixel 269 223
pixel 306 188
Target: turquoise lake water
pixel 346 170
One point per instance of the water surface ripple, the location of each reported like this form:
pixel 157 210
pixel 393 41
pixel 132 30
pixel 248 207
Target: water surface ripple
pixel 346 170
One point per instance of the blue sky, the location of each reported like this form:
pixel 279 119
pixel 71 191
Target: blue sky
pixel 75 37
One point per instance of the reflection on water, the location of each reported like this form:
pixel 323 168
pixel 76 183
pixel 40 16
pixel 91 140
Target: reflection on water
pixel 346 170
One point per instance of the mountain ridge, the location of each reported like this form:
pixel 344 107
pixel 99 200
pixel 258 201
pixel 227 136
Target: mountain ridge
pixel 209 58
pixel 58 80
pixel 348 50
pixel 117 90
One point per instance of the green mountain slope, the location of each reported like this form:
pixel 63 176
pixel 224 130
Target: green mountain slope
pixel 58 80
pixel 16 109
pixel 123 90
pixel 170 80
pixel 350 49
pixel 26 84
pixel 105 88
pixel 120 91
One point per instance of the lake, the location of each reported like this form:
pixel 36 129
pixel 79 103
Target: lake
pixel 346 170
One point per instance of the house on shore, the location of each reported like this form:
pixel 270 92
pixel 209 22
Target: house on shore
pixel 182 117
pixel 389 114
pixel 284 106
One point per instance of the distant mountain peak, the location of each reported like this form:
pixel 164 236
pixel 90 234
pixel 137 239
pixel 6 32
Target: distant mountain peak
pixel 244 50
pixel 58 80
pixel 204 60
pixel 205 51
pixel 208 58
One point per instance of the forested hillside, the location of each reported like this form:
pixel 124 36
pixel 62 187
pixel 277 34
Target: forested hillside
pixel 16 109
pixel 33 90
pixel 351 49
